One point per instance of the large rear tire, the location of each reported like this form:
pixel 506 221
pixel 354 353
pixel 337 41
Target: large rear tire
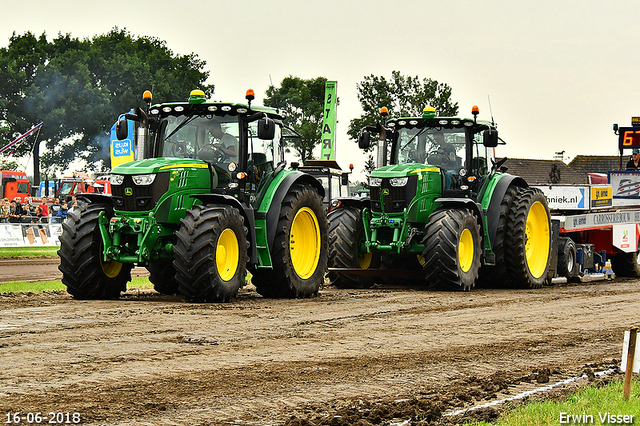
pixel 625 264
pixel 528 240
pixel 346 249
pixel 299 252
pixel 496 275
pixel 452 250
pixel 84 272
pixel 211 253
pixel 162 275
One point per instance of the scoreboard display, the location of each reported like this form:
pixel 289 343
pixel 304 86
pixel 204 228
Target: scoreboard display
pixel 629 137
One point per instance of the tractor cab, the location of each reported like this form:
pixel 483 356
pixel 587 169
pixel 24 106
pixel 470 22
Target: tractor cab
pixel 240 144
pixel 460 148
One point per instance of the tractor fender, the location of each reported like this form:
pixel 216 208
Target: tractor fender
pixel 246 212
pixel 493 212
pixel 357 202
pixel 466 203
pixel 96 197
pixel 276 202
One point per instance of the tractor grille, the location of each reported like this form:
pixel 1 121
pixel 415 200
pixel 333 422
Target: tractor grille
pixel 397 200
pixel 132 197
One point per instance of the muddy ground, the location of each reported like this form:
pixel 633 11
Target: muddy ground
pixel 348 357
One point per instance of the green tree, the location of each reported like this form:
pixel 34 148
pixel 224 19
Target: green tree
pixel 78 88
pixel 402 95
pixel 369 166
pixel 303 103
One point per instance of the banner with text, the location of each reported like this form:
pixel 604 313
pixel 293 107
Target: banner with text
pixel 30 234
pixel 122 151
pixel 328 151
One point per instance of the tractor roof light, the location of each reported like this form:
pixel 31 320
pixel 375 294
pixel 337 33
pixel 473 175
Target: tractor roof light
pixel 196 97
pixel 475 111
pixel 147 96
pixel 249 96
pixel 384 111
pixel 428 112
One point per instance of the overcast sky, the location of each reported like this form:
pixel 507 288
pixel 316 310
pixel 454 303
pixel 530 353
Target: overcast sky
pixel 558 73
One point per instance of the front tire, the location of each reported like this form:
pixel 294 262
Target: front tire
pixel 84 272
pixel 346 248
pixel 211 253
pixel 163 276
pixel 528 240
pixel 299 251
pixel 452 250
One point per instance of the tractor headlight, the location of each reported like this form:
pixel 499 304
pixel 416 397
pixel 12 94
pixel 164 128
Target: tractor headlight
pixel 144 179
pixel 375 181
pixel 399 181
pixel 117 179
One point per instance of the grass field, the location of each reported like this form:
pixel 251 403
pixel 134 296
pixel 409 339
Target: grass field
pixel 9 252
pixel 43 286
pixel 591 405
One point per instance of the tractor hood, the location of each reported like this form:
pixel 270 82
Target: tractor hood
pixel 155 165
pixel 401 170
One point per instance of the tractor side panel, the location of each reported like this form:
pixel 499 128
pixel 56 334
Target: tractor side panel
pixel 428 189
pixel 492 198
pixel 268 212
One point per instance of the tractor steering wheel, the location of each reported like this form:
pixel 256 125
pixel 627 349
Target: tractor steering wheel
pixel 438 158
pixel 211 154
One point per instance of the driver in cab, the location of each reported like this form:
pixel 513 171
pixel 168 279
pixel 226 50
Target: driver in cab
pixel 219 140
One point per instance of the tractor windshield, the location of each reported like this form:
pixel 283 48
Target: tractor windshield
pixel 210 138
pixel 444 148
pixel 436 146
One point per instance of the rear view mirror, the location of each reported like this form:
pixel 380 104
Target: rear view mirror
pixel 122 129
pixel 266 129
pixel 490 138
pixel 344 178
pixel 364 139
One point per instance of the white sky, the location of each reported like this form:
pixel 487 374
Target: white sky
pixel 558 73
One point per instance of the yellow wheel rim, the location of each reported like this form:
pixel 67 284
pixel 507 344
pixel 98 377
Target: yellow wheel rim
pixel 537 239
pixel 111 268
pixel 364 257
pixel 227 254
pixel 465 250
pixel 304 243
pixel 365 261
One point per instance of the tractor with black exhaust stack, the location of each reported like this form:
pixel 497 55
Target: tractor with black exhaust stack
pixel 443 213
pixel 207 199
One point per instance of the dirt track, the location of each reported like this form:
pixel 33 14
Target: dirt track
pixel 362 357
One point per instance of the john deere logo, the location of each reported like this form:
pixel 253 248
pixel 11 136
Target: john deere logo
pixel 128 192
pixel 385 191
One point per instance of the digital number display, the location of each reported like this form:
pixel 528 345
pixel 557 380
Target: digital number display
pixel 629 137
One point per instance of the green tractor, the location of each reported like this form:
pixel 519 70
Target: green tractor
pixel 207 199
pixel 443 213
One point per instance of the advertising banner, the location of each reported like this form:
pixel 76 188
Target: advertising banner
pixel 566 197
pixel 328 151
pixel 30 234
pixel 122 151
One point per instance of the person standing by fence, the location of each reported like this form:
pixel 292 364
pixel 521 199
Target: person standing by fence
pixel 4 210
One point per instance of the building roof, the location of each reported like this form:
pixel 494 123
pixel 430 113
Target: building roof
pixel 584 164
pixel 544 172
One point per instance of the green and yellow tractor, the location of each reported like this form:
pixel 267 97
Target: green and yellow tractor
pixel 207 199
pixel 442 213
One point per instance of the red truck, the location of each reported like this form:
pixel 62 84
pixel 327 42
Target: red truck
pixel 14 184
